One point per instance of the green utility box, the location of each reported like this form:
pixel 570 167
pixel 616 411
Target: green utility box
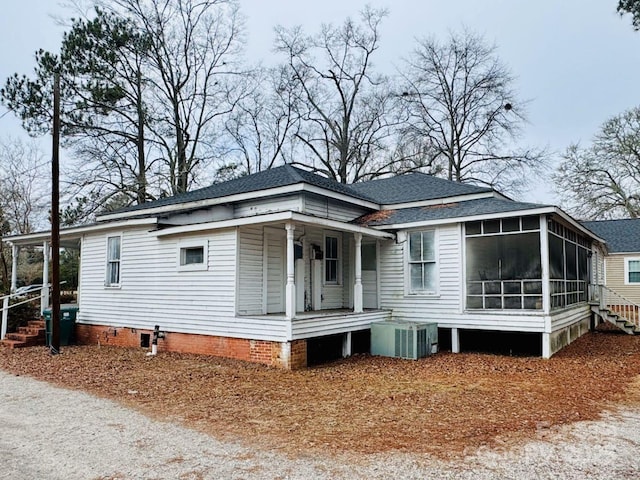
pixel 68 314
pixel 402 339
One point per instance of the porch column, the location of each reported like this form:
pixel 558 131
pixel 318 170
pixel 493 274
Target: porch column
pixel 290 292
pixel 15 251
pixel 357 288
pixel 544 260
pixel 44 299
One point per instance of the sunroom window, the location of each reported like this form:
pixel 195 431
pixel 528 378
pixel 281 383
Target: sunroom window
pixel 503 264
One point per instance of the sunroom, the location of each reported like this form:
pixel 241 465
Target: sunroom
pixel 534 263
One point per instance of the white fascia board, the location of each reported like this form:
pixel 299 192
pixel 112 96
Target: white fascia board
pixel 444 221
pixel 205 203
pixel 492 216
pixel 336 225
pixel 76 232
pixel 273 218
pixel 442 201
pixel 579 226
pixel 239 197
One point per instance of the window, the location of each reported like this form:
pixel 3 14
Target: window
pixel 503 264
pixel 422 262
pixel 192 255
pixel 113 262
pixel 632 270
pixel 569 257
pixel 331 259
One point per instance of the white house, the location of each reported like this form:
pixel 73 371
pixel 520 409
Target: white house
pixel 266 266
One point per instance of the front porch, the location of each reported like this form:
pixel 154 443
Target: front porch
pixel 326 322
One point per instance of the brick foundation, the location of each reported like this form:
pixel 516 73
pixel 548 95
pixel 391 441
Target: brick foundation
pixel 289 355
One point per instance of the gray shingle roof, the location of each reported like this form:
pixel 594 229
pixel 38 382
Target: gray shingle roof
pixel 272 178
pixel 413 187
pixel 622 236
pixel 481 206
pixel 400 189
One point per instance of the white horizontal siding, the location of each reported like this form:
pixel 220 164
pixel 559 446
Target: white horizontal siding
pixel 566 317
pixel 333 324
pixel 269 205
pixel 250 276
pixel 154 292
pixel 326 207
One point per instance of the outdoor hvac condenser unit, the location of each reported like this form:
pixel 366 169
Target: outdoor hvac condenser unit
pixel 404 339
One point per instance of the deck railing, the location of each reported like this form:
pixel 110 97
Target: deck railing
pixel 610 300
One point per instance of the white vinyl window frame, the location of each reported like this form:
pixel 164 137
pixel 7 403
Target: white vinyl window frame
pixel 193 255
pixel 113 261
pixel 332 258
pixel 430 262
pixel 631 265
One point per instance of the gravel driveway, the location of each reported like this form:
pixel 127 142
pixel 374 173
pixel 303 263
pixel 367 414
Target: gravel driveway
pixel 52 433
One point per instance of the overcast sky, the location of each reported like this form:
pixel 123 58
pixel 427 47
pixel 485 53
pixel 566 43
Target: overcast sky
pixel 577 61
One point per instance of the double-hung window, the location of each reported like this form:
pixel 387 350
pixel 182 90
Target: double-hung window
pixel 632 271
pixel 331 259
pixel 113 261
pixel 422 262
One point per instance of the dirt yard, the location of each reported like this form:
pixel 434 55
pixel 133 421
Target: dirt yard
pixel 446 405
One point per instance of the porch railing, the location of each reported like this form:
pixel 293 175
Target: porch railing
pixel 608 299
pixel 6 307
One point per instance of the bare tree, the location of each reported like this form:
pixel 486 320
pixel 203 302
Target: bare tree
pixel 261 130
pixel 460 103
pixel 23 200
pixel 631 7
pixel 194 49
pixel 343 105
pixel 602 180
pixel 105 115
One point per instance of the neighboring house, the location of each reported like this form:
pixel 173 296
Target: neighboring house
pixel 266 266
pixel 619 272
pixel 622 258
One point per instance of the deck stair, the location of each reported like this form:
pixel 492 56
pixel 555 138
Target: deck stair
pixel 31 335
pixel 613 308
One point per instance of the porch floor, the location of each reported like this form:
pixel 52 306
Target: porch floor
pixel 335 312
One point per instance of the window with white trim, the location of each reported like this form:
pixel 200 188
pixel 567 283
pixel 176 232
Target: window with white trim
pixel 114 245
pixel 422 262
pixel 331 259
pixel 631 271
pixel 192 255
